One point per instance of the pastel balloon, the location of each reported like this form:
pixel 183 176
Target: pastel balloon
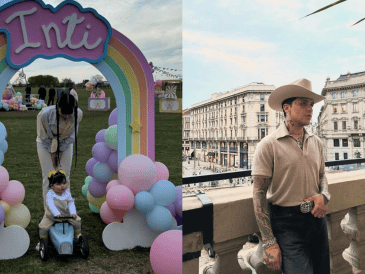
pixel 95 201
pixel 1 157
pixel 100 136
pixel 113 117
pixel 113 161
pixel 94 208
pixel 162 172
pixel 178 208
pixel 164 192
pixel 4 146
pixel 178 193
pixel 166 253
pixel 14 193
pixel 171 207
pixel 178 219
pixel 107 214
pixel 102 172
pixel 101 152
pixel 144 202
pixel 85 189
pixel 137 172
pixel 87 179
pixel 4 178
pixel 120 197
pixel 159 219
pixel 6 207
pixel 97 189
pixel 18 215
pixel 111 184
pixel 90 166
pixel 111 137
pixel 2 214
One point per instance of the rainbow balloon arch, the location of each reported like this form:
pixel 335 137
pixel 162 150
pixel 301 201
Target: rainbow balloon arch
pixel 114 55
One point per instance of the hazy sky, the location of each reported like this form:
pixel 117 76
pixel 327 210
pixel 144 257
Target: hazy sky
pixel 154 26
pixel 231 43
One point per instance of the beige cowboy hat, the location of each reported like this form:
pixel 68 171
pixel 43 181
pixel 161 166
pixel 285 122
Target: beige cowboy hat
pixel 299 88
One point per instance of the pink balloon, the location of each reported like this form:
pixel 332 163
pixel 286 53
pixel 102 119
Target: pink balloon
pixel 111 184
pixel 120 197
pixel 137 172
pixel 14 193
pixel 96 188
pixel 113 161
pixel 4 178
pixel 107 214
pixel 166 253
pixel 101 152
pixel 162 171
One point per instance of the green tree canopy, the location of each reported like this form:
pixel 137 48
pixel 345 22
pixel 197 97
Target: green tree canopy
pixel 46 80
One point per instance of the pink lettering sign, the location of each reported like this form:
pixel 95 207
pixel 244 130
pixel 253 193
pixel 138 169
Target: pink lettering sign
pixel 36 30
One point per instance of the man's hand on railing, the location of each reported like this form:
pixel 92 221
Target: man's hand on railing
pixel 272 257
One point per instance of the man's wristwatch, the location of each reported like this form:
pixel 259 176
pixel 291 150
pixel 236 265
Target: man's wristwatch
pixel 269 243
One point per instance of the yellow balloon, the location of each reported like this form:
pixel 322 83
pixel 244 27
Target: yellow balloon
pixel 6 207
pixel 95 201
pixel 18 215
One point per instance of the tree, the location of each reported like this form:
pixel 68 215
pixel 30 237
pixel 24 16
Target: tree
pixel 97 78
pixel 46 80
pixel 331 5
pixel 67 81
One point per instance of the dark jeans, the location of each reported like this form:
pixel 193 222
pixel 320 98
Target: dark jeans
pixel 303 240
pixel 50 99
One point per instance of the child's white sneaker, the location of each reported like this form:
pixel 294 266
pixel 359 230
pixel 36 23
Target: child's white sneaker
pixel 37 247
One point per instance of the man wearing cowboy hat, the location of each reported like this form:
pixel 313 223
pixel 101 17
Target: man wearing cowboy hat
pixel 289 165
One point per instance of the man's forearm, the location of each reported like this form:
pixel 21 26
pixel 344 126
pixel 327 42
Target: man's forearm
pixel 323 188
pixel 261 207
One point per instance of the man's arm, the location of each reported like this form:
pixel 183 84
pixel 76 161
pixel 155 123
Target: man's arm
pixel 261 207
pixel 323 188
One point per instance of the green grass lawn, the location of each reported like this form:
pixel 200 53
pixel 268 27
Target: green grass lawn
pixel 21 161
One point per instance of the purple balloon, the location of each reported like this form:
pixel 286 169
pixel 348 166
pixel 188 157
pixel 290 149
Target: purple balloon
pixel 101 152
pixel 113 117
pixel 2 214
pixel 178 194
pixel 96 188
pixel 179 219
pixel 100 136
pixel 171 207
pixel 90 166
pixel 113 161
pixel 178 208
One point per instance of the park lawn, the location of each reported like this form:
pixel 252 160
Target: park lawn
pixel 21 161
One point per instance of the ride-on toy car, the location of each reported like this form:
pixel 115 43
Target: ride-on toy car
pixel 61 235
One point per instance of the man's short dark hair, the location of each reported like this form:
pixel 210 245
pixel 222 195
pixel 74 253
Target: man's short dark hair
pixel 288 101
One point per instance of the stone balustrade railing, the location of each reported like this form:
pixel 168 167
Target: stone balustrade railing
pixel 234 220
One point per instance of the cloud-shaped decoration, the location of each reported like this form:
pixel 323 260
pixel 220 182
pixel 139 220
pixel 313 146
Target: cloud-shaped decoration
pixel 14 242
pixel 36 30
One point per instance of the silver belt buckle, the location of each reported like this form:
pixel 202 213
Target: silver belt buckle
pixel 306 206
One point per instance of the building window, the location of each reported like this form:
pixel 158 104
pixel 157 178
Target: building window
pixel 262 97
pixel 243 108
pixel 344 125
pixel 262 118
pixel 262 107
pixel 356 142
pixel 231 121
pixel 261 133
pixel 343 107
pixel 345 143
pixel 231 133
pixel 342 94
pixel 354 107
pixel 345 156
pixel 243 133
pixel 337 156
pixel 334 109
pixel 354 93
pixel 356 123
pixel 334 95
pixel 336 142
pixel 335 125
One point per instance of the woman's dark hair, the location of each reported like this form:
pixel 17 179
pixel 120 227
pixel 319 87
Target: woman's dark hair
pixel 288 101
pixel 68 105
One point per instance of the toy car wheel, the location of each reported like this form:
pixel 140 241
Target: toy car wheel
pixel 84 247
pixel 43 249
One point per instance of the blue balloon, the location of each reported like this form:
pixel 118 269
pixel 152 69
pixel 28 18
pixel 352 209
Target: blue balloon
pixel 159 219
pixel 1 157
pixel 144 201
pixel 85 189
pixel 2 127
pixel 164 192
pixel 2 214
pixel 102 172
pixel 4 146
pixel 6 107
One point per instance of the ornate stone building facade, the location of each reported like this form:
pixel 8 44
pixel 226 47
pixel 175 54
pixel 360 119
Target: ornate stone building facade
pixel 226 128
pixel 186 132
pixel 341 120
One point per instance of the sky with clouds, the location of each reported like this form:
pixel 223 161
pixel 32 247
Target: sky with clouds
pixel 154 26
pixel 231 43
